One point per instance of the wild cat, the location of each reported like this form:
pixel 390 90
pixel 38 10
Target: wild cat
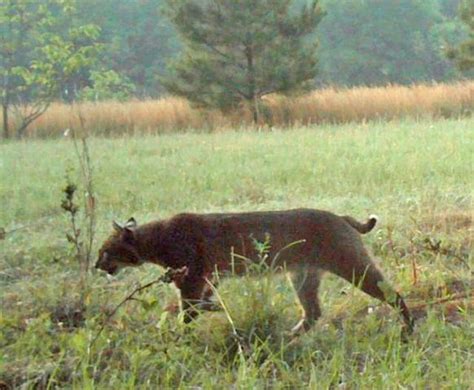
pixel 204 242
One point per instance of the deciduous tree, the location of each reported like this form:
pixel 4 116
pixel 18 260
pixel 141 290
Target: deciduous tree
pixel 37 55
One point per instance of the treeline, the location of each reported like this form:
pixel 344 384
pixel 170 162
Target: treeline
pixel 363 42
pixel 367 42
pixel 221 53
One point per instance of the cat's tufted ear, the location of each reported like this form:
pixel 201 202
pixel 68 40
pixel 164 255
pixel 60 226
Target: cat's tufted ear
pixel 131 223
pixel 117 227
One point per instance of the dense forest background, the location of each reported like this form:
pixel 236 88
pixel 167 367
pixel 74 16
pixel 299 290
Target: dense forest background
pixel 368 42
pixel 120 49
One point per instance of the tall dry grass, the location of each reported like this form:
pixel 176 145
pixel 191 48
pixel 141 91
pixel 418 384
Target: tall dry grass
pixel 329 105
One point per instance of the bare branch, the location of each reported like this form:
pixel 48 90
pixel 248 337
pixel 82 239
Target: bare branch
pixel 27 118
pixel 168 277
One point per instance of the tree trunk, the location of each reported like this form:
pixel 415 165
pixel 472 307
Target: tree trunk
pixel 255 110
pixel 5 104
pixel 6 130
pixel 20 131
pixel 253 99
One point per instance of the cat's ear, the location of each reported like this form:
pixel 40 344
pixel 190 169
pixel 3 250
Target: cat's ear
pixel 131 223
pixel 117 227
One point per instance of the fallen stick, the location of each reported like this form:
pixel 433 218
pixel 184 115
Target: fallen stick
pixel 168 277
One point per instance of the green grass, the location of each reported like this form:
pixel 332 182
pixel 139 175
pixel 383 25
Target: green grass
pixel 417 176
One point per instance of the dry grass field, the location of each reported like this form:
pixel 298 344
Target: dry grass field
pixel 330 105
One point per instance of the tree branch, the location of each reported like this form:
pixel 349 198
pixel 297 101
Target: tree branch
pixel 27 118
pixel 168 277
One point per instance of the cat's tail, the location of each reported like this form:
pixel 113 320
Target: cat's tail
pixel 362 228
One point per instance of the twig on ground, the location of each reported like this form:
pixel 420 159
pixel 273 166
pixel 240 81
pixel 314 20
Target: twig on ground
pixel 168 277
pixel 435 246
pixel 439 301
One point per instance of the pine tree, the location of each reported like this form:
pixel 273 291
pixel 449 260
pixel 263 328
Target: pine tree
pixel 241 50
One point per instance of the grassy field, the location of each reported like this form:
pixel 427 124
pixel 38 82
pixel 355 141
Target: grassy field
pixel 416 175
pixel 327 105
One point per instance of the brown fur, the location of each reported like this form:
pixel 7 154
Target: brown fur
pixel 204 243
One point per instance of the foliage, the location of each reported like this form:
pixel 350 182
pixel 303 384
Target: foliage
pixel 107 85
pixel 375 42
pixel 138 40
pixel 241 50
pixel 464 55
pixel 36 58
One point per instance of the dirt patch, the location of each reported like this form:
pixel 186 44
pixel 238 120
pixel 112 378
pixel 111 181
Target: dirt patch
pixel 448 301
pixel 69 316
pixel 448 222
pixel 4 385
pixel 452 311
pixel 449 287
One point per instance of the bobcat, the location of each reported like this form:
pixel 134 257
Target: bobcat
pixel 204 242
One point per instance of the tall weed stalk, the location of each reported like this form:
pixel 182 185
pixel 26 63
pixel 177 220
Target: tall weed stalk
pixel 82 224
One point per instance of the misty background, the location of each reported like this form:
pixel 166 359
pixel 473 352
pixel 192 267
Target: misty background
pixel 370 42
